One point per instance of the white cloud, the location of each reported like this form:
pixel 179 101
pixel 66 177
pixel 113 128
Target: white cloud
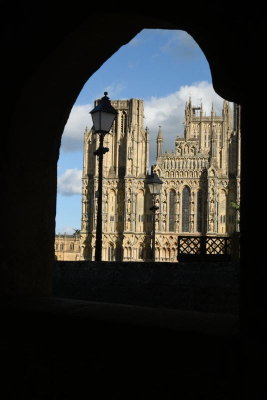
pixel 69 230
pixel 70 182
pixel 168 112
pixel 72 139
pixel 80 118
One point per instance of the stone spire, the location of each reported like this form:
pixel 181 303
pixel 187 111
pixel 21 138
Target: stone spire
pixel 159 142
pixel 212 110
pixel 214 147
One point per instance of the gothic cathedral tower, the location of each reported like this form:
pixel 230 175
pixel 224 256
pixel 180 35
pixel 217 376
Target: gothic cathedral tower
pixel 124 171
pixel 202 178
pixel 201 181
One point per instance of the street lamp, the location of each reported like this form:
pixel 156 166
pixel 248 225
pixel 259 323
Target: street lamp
pixel 103 116
pixel 154 184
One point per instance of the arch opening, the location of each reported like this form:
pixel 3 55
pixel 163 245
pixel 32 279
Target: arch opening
pixel 130 146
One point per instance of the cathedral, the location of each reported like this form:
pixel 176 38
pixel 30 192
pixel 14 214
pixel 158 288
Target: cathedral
pixel 201 183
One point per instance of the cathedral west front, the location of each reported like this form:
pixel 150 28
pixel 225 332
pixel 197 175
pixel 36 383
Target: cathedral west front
pixel 201 182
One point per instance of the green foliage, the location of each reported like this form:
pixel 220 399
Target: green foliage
pixel 235 205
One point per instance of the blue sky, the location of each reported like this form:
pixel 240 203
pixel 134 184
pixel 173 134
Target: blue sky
pixel 162 67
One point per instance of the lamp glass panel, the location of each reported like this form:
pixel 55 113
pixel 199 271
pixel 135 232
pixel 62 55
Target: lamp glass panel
pixel 155 188
pixel 103 121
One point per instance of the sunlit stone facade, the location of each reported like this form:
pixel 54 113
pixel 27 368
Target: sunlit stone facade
pixel 201 180
pixel 67 247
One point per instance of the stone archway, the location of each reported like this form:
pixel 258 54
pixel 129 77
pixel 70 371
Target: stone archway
pixel 47 85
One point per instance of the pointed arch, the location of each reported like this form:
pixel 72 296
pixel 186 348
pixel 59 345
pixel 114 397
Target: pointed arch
pixel 222 211
pixel 172 210
pixel 186 209
pixel 140 207
pixel 111 252
pixel 200 210
pixel 186 149
pixel 123 122
pixel 112 209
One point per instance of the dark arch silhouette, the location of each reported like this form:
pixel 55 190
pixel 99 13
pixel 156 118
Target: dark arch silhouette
pixel 47 56
pixel 48 82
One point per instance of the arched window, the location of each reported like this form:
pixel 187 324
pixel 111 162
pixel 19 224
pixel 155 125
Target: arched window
pixel 140 211
pixel 186 209
pixel 222 212
pixel 123 122
pixel 111 252
pixel 172 211
pixel 199 211
pixel 112 210
pixel 157 253
pixel 128 253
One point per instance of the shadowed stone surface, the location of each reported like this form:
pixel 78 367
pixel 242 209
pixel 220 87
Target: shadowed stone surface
pixel 72 349
pixel 48 55
pixel 206 287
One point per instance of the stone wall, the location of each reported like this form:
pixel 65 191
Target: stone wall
pixel 206 287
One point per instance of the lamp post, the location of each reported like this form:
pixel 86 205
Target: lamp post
pixel 154 184
pixel 103 116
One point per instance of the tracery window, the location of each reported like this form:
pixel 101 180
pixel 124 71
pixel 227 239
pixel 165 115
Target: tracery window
pixel 185 209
